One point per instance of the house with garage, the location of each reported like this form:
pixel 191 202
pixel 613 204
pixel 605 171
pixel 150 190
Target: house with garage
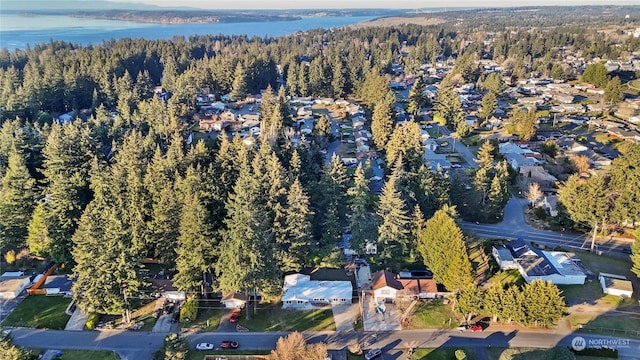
pixel 234 300
pixel 533 264
pixel 389 287
pixel 617 285
pixel 300 292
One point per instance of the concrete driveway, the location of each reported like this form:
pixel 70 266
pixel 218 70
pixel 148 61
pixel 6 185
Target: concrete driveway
pixel 344 316
pixel 374 321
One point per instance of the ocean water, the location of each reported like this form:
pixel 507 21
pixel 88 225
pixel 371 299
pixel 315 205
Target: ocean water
pixel 16 31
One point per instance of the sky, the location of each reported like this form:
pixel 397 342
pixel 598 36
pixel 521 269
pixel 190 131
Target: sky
pixel 395 4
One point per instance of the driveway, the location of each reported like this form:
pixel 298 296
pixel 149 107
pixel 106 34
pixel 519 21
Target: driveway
pixel 344 316
pixel 225 324
pixel 460 148
pixel 374 321
pixel 76 321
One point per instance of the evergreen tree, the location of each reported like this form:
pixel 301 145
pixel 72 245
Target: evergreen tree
pixel 164 227
pixel 195 246
pixel 523 124
pixel 512 301
pixel 469 302
pixel 360 223
pixel 38 239
pixel 417 97
pixel 613 92
pixel 16 203
pixel 239 86
pixel 489 105
pixel 406 143
pixel 294 254
pixel 393 231
pixel 382 123
pixel 543 303
pixel 493 301
pixel 494 84
pixel 105 263
pixel 595 74
pixel 635 255
pixel 442 247
pixel 338 80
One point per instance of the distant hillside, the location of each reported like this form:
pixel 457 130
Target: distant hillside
pixel 180 16
pixel 64 6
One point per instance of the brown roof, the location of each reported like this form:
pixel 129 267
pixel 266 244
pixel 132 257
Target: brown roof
pixel 384 278
pixel 418 286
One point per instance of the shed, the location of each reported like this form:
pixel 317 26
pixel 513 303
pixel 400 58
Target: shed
pixel 617 285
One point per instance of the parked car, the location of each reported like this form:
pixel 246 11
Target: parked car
pixel 205 346
pixel 372 354
pixel 456 165
pixel 461 328
pixel 235 316
pixel 228 344
pixel 475 328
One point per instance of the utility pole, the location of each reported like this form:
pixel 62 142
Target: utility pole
pixel 593 239
pixel 127 313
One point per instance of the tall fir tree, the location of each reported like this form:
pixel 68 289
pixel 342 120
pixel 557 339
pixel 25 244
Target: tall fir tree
pixel 444 251
pixel 393 231
pixel 196 246
pixel 361 224
pixel 295 252
pixel 16 203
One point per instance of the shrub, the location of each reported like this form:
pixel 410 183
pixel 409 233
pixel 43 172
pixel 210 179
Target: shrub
pixel 540 213
pixel 92 321
pixel 460 354
pixel 10 257
pixel 189 310
pixel 175 347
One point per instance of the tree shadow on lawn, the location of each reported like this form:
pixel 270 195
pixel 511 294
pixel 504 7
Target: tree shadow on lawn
pixel 274 318
pixel 40 311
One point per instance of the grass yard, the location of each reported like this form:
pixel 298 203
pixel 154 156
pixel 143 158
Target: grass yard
pixel 526 354
pixel 441 354
pixel 507 277
pixel 39 311
pixel 432 314
pixel 213 317
pixel 199 355
pixel 275 318
pixel 88 355
pixel 614 325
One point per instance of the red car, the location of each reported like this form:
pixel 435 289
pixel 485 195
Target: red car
pixel 235 316
pixel 475 328
pixel 228 344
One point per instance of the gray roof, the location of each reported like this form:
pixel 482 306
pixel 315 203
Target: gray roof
pixel 61 282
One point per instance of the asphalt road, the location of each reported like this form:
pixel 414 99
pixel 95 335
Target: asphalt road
pixel 513 226
pixel 141 345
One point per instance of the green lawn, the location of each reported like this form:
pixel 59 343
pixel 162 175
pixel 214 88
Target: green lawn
pixel 199 355
pixel 525 354
pixel 88 355
pixel 213 316
pixel 441 354
pixel 275 318
pixel 433 314
pixel 508 277
pixel 39 311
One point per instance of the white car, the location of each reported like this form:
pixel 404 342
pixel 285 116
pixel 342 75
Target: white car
pixel 375 178
pixel 205 346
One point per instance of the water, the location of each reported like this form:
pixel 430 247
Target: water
pixel 17 31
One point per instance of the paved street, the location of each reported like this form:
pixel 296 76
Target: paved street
pixel 143 344
pixel 513 226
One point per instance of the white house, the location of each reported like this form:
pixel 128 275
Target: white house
pixel 617 285
pixel 504 258
pixel 533 264
pixel 234 300
pixel 300 292
pixel 385 286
